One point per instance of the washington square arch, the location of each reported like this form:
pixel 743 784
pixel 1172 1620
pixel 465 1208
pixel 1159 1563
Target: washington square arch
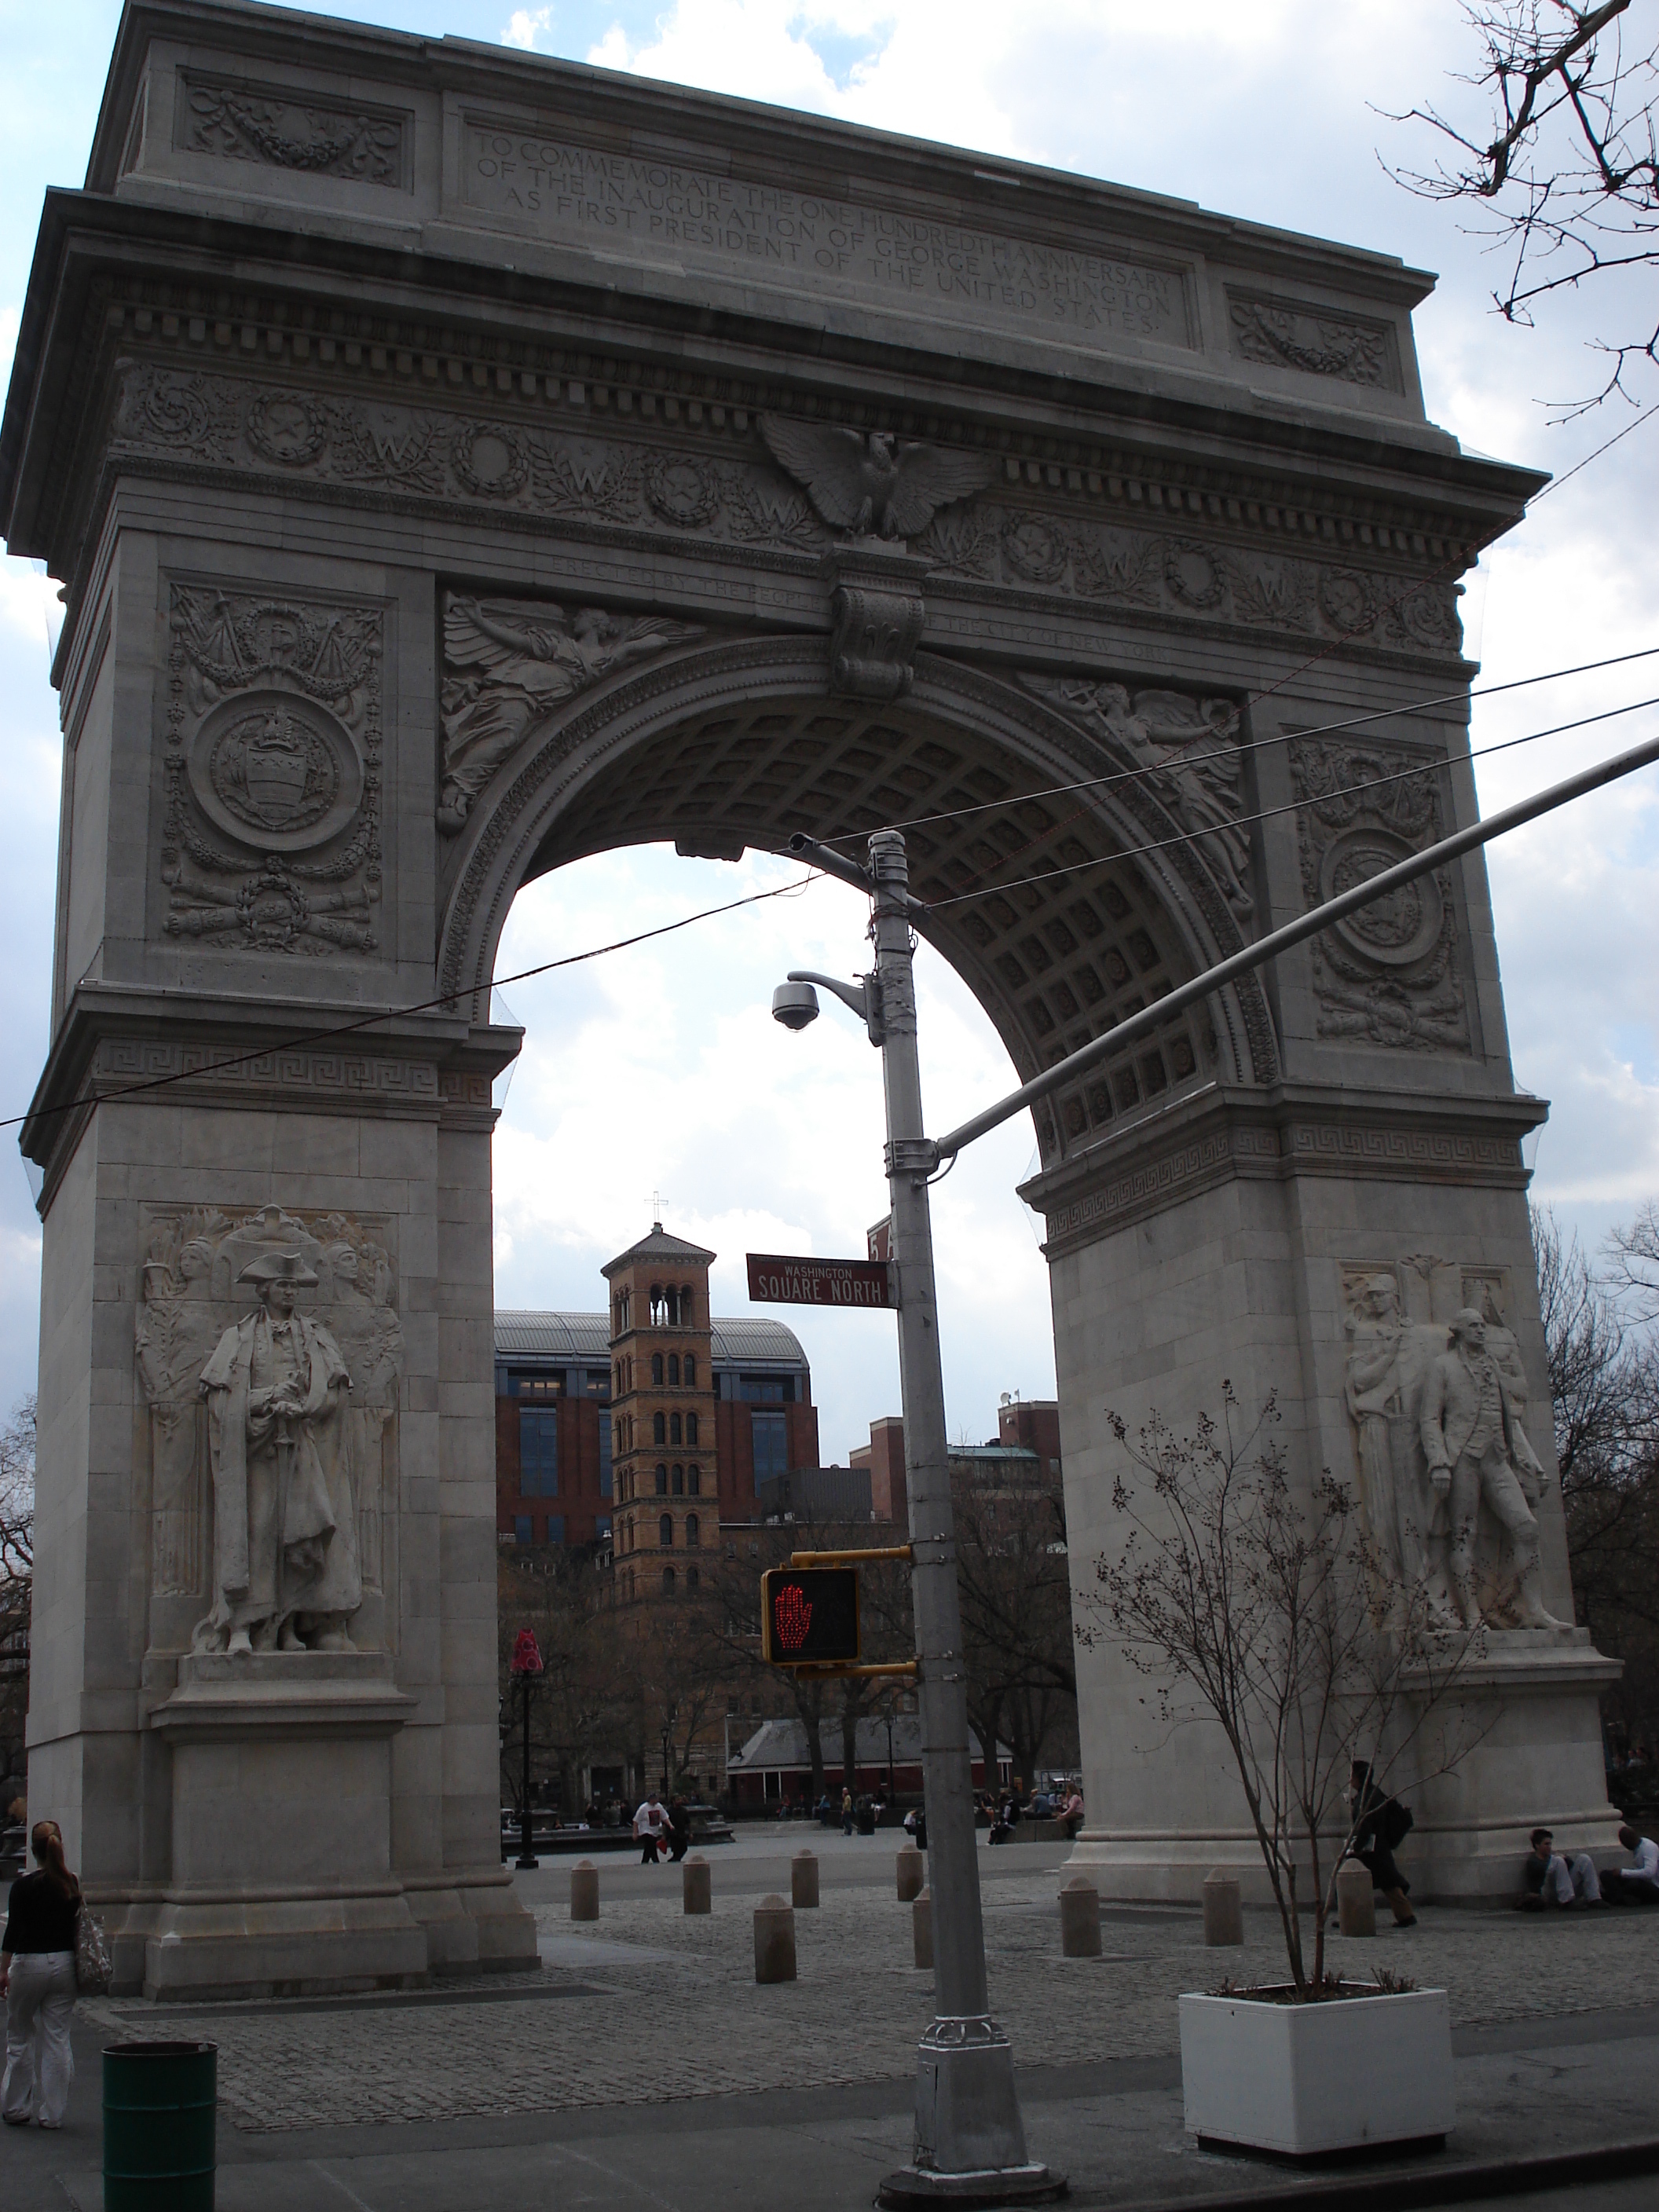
pixel 456 463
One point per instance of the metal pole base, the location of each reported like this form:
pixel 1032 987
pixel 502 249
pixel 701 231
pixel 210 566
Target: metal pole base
pixel 969 2142
pixel 526 1865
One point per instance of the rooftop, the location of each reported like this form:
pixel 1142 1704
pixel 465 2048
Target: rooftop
pixel 660 1245
pixel 526 1334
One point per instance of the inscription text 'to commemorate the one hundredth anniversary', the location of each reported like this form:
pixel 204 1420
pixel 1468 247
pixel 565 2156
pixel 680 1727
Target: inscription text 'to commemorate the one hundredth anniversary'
pixel 514 172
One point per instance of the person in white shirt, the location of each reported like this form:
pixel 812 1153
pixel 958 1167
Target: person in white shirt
pixel 650 1823
pixel 1547 1878
pixel 1637 1884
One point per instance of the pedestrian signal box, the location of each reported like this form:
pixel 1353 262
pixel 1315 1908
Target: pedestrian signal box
pixel 810 1616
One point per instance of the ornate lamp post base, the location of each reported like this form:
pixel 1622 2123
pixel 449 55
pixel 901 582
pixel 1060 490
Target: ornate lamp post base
pixel 971 2144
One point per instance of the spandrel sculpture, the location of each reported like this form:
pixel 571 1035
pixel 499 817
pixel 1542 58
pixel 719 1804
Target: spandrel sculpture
pixel 285 1567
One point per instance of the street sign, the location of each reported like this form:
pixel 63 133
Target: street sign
pixel 879 1238
pixel 810 1616
pixel 527 1658
pixel 778 1280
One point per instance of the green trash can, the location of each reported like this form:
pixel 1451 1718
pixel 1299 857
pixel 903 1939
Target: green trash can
pixel 160 2102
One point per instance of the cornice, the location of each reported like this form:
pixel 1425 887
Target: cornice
pixel 1221 1134
pixel 1309 477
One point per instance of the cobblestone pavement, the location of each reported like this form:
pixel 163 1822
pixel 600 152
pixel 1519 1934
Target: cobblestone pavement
pixel 645 2005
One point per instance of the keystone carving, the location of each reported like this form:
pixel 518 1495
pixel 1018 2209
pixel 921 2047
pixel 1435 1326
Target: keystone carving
pixel 509 664
pixel 868 484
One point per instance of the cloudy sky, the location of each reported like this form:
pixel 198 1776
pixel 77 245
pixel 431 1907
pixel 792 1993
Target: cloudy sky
pixel 658 1071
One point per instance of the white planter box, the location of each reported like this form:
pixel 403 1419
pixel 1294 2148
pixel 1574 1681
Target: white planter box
pixel 1304 2079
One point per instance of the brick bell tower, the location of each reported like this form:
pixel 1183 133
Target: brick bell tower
pixel 662 1415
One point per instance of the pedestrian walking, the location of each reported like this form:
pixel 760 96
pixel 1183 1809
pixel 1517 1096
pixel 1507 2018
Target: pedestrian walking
pixel 650 1823
pixel 1381 1826
pixel 679 1830
pixel 36 1975
pixel 845 1812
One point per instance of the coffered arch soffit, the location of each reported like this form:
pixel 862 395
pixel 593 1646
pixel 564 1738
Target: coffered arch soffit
pixel 735 744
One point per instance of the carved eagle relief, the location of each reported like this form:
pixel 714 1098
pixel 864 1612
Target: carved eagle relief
pixel 868 484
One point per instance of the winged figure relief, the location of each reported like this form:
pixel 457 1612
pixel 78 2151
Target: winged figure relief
pixel 508 665
pixel 1188 750
pixel 868 484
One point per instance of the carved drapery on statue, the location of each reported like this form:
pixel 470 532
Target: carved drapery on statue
pixel 1449 1481
pixel 509 665
pixel 195 1331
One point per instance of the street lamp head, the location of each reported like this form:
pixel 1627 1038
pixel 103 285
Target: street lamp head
pixel 794 1005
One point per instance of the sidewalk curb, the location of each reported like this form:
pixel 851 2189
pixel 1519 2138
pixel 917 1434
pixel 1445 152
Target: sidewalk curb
pixel 1418 2186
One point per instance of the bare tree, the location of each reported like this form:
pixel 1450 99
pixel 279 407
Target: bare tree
pixel 1276 1617
pixel 16 1579
pixel 1565 168
pixel 1014 1577
pixel 1604 1385
pixel 583 1704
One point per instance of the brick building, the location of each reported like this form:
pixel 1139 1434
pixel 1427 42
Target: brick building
pixel 1027 1442
pixel 580 1397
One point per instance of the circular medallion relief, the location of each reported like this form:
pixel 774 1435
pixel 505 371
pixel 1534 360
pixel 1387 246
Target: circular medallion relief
pixel 682 490
pixel 1397 930
pixel 275 771
pixel 287 427
pixel 490 462
pixel 1033 548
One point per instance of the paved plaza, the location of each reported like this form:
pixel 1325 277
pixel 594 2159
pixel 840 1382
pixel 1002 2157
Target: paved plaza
pixel 643 2066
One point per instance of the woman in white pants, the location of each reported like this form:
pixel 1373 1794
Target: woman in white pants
pixel 36 1975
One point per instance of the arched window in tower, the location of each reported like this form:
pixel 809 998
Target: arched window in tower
pixel 691 1580
pixel 668 1581
pixel 690 1367
pixel 679 1482
pixel 659 1429
pixel 692 1533
pixel 674 1433
pixel 662 1482
pixel 656 1368
pixel 666 1532
pixel 693 1481
pixel 691 1428
pixel 673 1367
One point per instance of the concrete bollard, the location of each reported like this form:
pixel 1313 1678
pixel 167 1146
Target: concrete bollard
pixel 1079 1918
pixel 584 1891
pixel 1356 1905
pixel 922 1928
pixel 912 1869
pixel 802 1879
pixel 1224 1908
pixel 775 1941
pixel 695 1883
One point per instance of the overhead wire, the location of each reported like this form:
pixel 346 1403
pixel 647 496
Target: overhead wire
pixel 1250 746
pixel 1291 806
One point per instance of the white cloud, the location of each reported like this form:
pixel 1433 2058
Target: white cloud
pixel 526 26
pixel 29 604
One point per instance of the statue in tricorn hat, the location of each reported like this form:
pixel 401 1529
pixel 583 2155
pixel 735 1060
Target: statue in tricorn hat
pixel 285 1572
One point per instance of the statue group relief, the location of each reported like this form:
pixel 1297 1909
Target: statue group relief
pixel 268 1421
pixel 1449 1482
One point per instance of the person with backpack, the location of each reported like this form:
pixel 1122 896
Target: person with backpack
pixel 37 1976
pixel 1381 1825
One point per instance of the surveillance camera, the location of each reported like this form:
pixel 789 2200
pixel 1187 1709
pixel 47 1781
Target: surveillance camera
pixel 794 1005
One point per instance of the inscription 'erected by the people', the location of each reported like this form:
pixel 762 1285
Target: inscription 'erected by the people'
pixel 512 172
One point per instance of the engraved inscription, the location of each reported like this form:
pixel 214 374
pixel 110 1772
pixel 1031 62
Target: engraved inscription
pixel 512 170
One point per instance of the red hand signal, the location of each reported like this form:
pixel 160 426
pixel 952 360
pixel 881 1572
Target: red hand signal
pixel 792 1616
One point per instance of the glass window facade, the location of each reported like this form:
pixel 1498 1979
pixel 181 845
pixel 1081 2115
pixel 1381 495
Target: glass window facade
pixel 539 1453
pixel 758 1389
pixel 556 1528
pixel 771 1432
pixel 522 1526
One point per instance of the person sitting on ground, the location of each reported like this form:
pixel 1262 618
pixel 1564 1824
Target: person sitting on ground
pixel 1381 1823
pixel 1548 1879
pixel 37 1979
pixel 1637 1884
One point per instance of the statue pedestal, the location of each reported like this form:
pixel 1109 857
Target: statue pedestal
pixel 282 1879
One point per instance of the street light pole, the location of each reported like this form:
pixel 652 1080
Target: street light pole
pixel 969 2142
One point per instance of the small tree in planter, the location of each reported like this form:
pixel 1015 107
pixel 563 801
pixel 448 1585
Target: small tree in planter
pixel 1285 1623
